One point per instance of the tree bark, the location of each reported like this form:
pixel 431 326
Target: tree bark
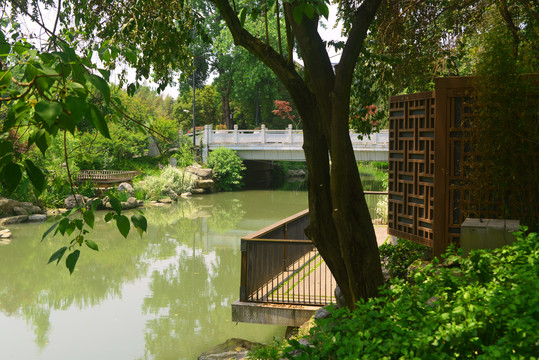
pixel 340 224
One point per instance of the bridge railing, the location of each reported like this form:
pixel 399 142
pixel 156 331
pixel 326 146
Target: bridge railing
pixel 286 136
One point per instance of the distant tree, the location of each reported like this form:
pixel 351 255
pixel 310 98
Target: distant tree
pixel 284 111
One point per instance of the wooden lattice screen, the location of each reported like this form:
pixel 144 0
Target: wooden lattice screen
pixel 429 196
pixel 427 147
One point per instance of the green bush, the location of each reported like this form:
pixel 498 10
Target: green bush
pixel 397 258
pixel 485 307
pixel 227 169
pixel 169 179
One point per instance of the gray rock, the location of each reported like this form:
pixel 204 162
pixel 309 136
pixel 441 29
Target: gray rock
pixel 127 188
pixel 198 191
pixel 230 349
pixel 13 220
pixel 19 210
pixel 341 302
pixel 56 212
pixel 7 205
pixel 166 200
pixel 200 172
pixel 156 203
pixel 186 195
pixel 205 184
pixel 322 313
pixel 37 218
pixel 172 194
pixel 5 234
pixel 70 202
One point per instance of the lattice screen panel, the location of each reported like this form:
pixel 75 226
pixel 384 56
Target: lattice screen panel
pixel 411 167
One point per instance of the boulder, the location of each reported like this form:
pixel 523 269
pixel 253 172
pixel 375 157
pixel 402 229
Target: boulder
pixel 156 203
pixel 200 172
pixel 322 313
pixel 131 203
pixel 37 218
pixel 5 234
pixel 56 212
pixel 127 188
pixel 186 195
pixel 198 191
pixel 13 220
pixel 230 349
pixel 7 205
pixel 166 200
pixel 341 302
pixel 19 210
pixel 13 207
pixel 206 184
pixel 70 202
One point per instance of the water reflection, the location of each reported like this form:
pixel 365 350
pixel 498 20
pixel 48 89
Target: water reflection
pixel 164 296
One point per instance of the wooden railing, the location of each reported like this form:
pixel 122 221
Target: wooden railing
pixel 280 265
pixel 106 176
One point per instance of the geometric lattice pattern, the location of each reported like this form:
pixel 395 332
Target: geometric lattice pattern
pixel 411 167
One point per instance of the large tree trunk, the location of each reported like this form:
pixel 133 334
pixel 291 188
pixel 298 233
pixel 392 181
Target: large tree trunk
pixel 340 224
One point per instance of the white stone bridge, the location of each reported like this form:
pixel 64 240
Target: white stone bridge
pixel 283 145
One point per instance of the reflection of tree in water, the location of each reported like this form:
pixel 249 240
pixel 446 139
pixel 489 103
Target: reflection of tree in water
pixel 190 299
pixel 31 289
pixel 225 216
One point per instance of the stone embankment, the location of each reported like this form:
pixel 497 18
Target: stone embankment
pixel 205 183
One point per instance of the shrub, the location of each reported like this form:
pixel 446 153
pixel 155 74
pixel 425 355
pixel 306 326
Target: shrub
pixel 485 308
pixel 169 179
pixel 227 169
pixel 397 258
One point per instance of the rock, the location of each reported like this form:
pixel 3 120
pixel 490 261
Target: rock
pixel 18 210
pixel 5 241
pixel 322 313
pixel 133 202
pixel 10 207
pixel 200 172
pixel 341 302
pixel 37 218
pixel 160 166
pixel 166 200
pixel 13 220
pixel 432 302
pixel 156 203
pixel 230 349
pixel 198 191
pixel 205 184
pixel 172 194
pixel 296 173
pixel 186 195
pixel 70 202
pixel 127 188
pixel 7 205
pixel 5 234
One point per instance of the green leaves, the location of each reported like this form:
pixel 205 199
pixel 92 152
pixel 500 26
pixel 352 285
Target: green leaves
pixel 140 223
pixel 123 224
pixel 35 175
pixel 11 176
pixel 71 260
pixel 100 84
pixel 48 111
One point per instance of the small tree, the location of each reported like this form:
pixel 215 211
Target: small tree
pixel 283 110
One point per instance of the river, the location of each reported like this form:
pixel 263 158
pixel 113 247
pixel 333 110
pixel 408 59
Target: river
pixel 166 295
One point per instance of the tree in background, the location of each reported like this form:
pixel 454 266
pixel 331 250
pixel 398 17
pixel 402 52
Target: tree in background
pixel 284 110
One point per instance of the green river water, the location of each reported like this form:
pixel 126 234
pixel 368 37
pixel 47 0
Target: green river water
pixel 166 295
